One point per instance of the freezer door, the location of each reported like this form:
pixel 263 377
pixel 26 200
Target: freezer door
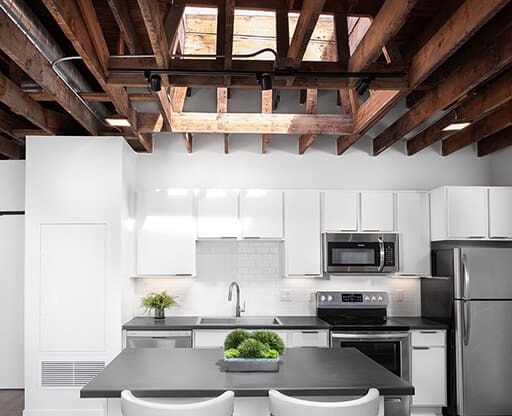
pixel 486 374
pixel 490 272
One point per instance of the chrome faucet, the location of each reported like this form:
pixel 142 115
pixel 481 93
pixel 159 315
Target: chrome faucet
pixel 230 297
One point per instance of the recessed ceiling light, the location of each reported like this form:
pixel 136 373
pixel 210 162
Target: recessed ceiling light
pixel 118 122
pixel 456 126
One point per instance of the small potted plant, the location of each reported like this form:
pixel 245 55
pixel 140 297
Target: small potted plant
pixel 252 351
pixel 159 302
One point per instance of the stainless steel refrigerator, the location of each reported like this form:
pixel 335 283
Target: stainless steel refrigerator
pixel 471 291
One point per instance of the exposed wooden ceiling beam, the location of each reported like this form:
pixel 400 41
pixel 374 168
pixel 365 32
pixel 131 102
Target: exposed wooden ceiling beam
pixel 10 149
pixel 390 19
pixel 474 69
pixel 309 14
pixel 479 130
pixel 222 107
pixel 257 123
pixel 472 109
pixel 155 28
pixel 187 140
pixel 266 108
pixel 282 32
pixel 178 96
pixel 8 123
pixel 341 33
pixel 29 59
pixel 171 26
pixel 125 22
pixel 495 142
pixel 373 109
pixel 150 122
pixel 306 140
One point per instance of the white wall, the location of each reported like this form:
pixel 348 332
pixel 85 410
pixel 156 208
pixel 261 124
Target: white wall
pixel 12 185
pixel 501 167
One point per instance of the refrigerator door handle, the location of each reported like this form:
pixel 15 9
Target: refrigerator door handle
pixel 465 293
pixel 466 319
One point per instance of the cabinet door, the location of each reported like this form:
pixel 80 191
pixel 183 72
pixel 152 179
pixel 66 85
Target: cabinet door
pixel 413 225
pixel 500 212
pixel 302 233
pixel 467 212
pixel 261 214
pixel 165 233
pixel 310 338
pixel 210 338
pixel 340 210
pixel 428 376
pixel 377 211
pixel 217 214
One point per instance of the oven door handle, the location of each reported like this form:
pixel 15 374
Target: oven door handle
pixel 396 335
pixel 381 253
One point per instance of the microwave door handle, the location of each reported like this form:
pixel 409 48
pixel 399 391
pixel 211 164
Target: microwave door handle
pixel 381 253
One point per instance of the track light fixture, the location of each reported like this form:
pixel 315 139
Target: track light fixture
pixel 265 81
pixel 155 83
pixel 363 85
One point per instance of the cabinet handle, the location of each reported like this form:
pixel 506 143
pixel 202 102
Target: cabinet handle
pixel 496 236
pixel 420 348
pixel 476 236
pixel 428 332
pixel 309 332
pixel 229 238
pixel 251 238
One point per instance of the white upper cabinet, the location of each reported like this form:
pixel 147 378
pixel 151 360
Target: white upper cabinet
pixel 340 210
pixel 413 226
pixel 377 211
pixel 217 214
pixel 261 214
pixel 302 233
pixel 500 212
pixel 166 233
pixel 459 213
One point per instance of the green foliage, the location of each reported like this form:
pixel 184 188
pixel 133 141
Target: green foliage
pixel 271 339
pixel 158 301
pixel 232 353
pixel 235 338
pixel 252 348
pixel 271 353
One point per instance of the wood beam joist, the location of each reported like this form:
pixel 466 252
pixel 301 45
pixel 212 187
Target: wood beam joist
pixel 496 121
pixel 222 107
pixel 257 123
pixel 495 142
pixel 126 26
pixel 349 101
pixel 187 140
pixel 309 14
pixel 8 123
pixel 266 108
pixel 171 26
pixel 341 33
pixel 30 60
pixel 390 19
pixel 10 148
pixel 150 11
pixel 282 31
pixel 306 140
pixel 472 109
pixel 464 22
pixel 225 27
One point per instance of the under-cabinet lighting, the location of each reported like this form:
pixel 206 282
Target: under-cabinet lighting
pixel 255 193
pixel 215 193
pixel 118 122
pixel 456 126
pixel 177 192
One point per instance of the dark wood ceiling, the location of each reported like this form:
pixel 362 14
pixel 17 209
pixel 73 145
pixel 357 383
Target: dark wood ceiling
pixel 455 54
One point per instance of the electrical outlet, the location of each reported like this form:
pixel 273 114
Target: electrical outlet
pixel 397 295
pixel 284 295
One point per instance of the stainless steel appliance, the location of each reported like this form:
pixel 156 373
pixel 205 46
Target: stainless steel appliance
pixel 359 320
pixel 158 339
pixel 360 252
pixel 472 293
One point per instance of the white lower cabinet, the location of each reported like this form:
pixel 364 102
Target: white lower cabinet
pixel 214 338
pixel 428 368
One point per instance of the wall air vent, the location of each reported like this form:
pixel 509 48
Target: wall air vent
pixel 69 373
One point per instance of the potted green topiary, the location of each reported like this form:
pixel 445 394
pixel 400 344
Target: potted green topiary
pixel 159 302
pixel 252 351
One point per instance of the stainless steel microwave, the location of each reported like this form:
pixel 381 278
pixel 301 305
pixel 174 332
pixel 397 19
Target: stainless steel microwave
pixel 360 253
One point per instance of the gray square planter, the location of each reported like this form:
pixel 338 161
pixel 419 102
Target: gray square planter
pixel 245 365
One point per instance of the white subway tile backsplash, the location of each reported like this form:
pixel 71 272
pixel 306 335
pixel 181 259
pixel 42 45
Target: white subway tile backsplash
pixel 256 266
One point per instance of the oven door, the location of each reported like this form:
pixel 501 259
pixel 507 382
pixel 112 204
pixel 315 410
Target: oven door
pixel 389 349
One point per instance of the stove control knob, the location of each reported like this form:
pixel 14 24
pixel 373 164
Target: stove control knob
pixel 380 298
pixel 374 298
pixel 367 298
pixel 322 298
pixel 329 298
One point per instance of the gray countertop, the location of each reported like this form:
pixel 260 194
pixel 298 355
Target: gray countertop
pixel 196 373
pixel 417 322
pixel 191 322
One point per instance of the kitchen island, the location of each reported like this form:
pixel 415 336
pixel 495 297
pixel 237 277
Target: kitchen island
pixel 193 373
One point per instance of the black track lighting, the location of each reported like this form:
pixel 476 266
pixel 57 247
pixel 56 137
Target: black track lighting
pixel 265 80
pixel 155 83
pixel 363 86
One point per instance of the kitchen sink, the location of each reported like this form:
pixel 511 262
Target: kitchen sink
pixel 243 320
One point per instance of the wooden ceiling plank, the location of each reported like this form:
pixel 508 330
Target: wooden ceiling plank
pixel 496 121
pixel 495 142
pixel 390 19
pixel 266 108
pixel 126 25
pixel 10 149
pixel 29 59
pixel 306 140
pixel 257 123
pixel 155 28
pixel 309 14
pixel 475 69
pixel 472 109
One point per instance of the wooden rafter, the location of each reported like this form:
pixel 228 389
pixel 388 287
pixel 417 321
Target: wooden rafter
pixel 481 65
pixel 495 142
pixel 266 108
pixel 222 107
pixel 472 109
pixel 150 11
pixel 282 31
pixel 8 124
pixel 9 148
pixel 187 140
pixel 171 26
pixel 30 60
pixel 306 140
pixel 126 26
pixel 496 121
pixel 385 26
pixel 341 33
